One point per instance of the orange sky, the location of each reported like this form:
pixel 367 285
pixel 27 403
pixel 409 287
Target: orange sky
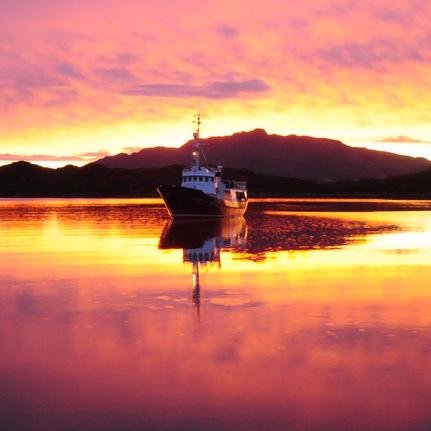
pixel 81 79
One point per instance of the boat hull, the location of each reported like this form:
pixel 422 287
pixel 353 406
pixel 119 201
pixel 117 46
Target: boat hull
pixel 185 202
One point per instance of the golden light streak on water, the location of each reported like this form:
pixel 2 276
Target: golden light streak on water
pixel 309 326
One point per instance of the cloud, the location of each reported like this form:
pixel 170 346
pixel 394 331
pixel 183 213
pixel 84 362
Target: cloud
pixel 367 55
pixel 391 15
pixel 44 85
pixel 94 154
pixel 69 70
pixel 60 96
pixel 117 74
pixel 402 140
pixel 132 149
pixel 38 158
pixel 213 90
pixel 126 58
pixel 81 157
pixel 227 30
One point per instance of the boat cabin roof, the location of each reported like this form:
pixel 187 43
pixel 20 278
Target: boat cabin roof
pixel 199 171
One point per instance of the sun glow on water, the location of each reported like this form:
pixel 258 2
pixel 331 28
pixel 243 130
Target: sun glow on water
pixel 117 313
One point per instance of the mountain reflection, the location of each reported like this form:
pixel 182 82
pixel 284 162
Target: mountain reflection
pixel 282 231
pixel 202 240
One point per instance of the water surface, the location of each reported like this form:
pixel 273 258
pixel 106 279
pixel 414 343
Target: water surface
pixel 307 314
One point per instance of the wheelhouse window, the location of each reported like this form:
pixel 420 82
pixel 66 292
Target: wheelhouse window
pixel 240 196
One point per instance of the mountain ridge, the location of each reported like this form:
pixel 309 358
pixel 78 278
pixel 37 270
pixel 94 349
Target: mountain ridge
pixel 302 157
pixel 24 179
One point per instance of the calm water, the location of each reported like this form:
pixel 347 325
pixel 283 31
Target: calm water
pixel 305 315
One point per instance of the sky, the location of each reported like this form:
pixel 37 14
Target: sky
pixel 80 79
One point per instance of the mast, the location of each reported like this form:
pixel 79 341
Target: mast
pixel 196 143
pixel 196 287
pixel 197 146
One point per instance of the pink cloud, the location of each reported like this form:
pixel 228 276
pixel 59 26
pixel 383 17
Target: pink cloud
pixel 213 90
pixel 403 140
pixel 82 157
pixel 132 149
pixel 227 30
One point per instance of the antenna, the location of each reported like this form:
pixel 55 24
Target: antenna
pixel 198 146
pixel 198 123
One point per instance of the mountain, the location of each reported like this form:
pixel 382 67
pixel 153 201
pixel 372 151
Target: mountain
pixel 300 157
pixel 26 179
pixel 418 184
pixel 23 179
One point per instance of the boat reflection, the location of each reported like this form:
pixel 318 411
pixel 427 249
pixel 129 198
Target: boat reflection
pixel 202 241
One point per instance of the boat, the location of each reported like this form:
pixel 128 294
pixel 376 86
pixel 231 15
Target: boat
pixel 203 191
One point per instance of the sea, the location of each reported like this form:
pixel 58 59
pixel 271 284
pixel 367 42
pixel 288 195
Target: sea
pixel 306 314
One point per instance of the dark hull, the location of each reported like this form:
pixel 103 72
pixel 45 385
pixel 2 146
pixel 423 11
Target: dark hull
pixel 184 202
pixel 192 233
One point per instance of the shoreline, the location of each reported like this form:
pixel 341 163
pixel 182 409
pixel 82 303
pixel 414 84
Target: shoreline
pixel 253 198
